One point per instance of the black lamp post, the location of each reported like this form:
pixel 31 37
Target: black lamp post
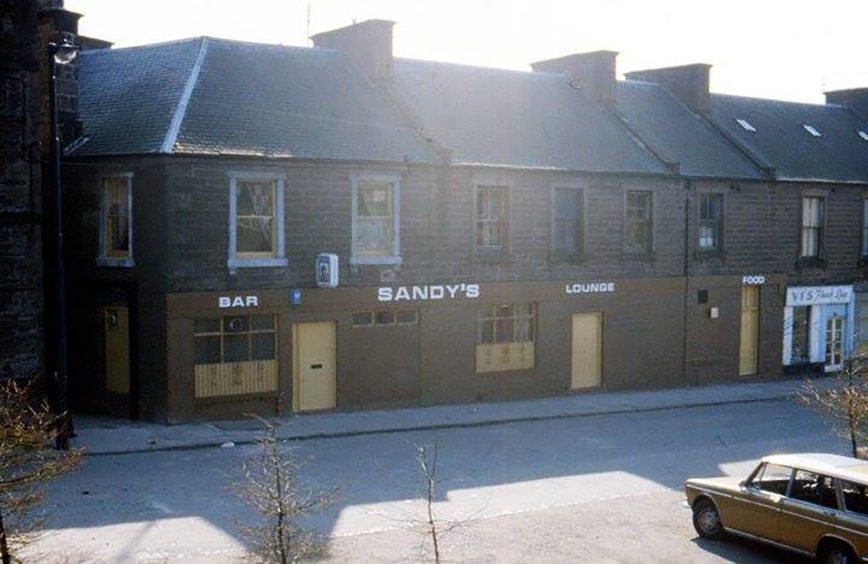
pixel 58 54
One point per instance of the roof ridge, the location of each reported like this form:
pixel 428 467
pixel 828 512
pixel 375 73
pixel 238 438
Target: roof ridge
pixel 181 110
pixel 528 73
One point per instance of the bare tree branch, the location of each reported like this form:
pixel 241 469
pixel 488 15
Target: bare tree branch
pixel 28 428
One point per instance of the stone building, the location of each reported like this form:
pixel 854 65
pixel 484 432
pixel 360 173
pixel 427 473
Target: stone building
pixel 497 234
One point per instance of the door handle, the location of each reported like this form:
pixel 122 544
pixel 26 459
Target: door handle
pixel 316 366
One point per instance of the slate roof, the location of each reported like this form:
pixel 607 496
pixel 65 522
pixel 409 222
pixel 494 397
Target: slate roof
pixel 678 135
pixel 220 97
pixel 517 119
pixel 127 97
pixel 780 139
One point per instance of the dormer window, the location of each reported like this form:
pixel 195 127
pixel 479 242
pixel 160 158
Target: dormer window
pixel 745 125
pixel 812 130
pixel 863 134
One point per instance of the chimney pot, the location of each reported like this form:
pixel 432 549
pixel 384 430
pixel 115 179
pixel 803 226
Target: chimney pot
pixel 368 45
pixel 594 72
pixel 854 98
pixel 688 83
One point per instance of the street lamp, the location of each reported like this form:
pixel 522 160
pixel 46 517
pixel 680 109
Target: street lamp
pixel 58 54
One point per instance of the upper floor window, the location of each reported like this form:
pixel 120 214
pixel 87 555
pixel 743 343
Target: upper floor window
pixel 710 222
pixel 639 223
pixel 116 221
pixel 568 217
pixel 492 218
pixel 865 227
pixel 376 222
pixel 812 227
pixel 256 220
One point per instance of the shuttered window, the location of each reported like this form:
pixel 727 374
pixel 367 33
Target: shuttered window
pixel 235 355
pixel 506 337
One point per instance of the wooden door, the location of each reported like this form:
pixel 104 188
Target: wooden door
pixel 587 350
pixel 749 346
pixel 116 348
pixel 314 366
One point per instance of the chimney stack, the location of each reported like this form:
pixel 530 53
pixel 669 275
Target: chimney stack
pixel 688 83
pixel 368 45
pixel 594 72
pixel 854 98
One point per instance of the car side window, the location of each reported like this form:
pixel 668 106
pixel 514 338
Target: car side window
pixel 814 488
pixel 855 497
pixel 772 478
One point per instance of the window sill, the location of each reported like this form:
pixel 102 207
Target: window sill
pixel 491 256
pixel 567 258
pixel 374 261
pixel 709 254
pixel 256 262
pixel 810 262
pixel 638 257
pixel 125 262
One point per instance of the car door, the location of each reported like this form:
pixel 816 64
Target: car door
pixel 755 509
pixel 809 511
pixel 852 520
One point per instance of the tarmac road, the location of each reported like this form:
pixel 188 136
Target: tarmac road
pixel 597 488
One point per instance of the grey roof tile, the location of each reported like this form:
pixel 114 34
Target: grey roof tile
pixel 518 119
pixel 678 135
pixel 128 96
pixel 781 141
pixel 248 99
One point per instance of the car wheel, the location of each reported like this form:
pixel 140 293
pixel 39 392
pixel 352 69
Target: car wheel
pixel 706 520
pixel 837 554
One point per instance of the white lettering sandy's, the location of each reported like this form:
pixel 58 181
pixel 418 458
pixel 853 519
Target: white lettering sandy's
pixel 427 292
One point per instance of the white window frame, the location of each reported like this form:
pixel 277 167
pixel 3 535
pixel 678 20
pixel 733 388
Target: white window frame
pixel 279 258
pixel 102 258
pixel 394 257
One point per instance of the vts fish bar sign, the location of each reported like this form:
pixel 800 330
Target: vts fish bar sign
pixel 427 293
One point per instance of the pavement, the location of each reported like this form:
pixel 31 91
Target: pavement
pixel 107 436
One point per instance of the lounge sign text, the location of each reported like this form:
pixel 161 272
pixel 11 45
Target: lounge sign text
pixel 590 288
pixel 423 293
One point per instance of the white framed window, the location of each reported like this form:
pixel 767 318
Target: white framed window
pixel 116 221
pixel 812 227
pixel 376 233
pixel 256 219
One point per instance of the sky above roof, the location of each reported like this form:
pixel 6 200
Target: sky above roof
pixel 771 49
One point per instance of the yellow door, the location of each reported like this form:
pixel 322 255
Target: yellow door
pixel 587 350
pixel 749 345
pixel 116 343
pixel 314 374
